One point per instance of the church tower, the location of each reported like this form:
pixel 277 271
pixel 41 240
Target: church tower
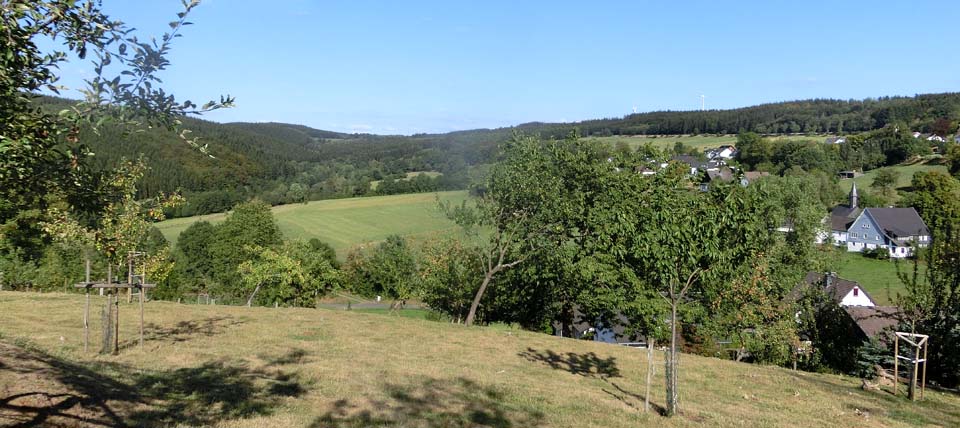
pixel 854 197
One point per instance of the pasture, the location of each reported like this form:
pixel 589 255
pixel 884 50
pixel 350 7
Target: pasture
pixel 905 170
pixel 347 223
pixel 226 366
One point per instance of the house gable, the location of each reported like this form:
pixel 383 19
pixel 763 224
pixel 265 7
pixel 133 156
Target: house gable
pixel 864 232
pixel 857 297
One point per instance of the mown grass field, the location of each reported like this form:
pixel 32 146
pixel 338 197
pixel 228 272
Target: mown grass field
pixel 264 367
pixel 906 172
pixel 347 223
pixel 700 142
pixel 878 277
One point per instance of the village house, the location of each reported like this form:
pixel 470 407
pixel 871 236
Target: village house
pixel 722 152
pixel 867 319
pixel 897 230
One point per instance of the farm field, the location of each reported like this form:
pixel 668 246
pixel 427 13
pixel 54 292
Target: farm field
pixel 701 142
pixel 238 367
pixel 347 223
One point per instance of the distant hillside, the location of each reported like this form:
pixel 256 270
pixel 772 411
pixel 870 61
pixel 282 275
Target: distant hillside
pixel 285 163
pixel 806 116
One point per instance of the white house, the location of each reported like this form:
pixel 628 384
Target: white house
pixel 844 292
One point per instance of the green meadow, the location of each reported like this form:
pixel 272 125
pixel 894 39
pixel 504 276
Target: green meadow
pixel 906 171
pixel 347 223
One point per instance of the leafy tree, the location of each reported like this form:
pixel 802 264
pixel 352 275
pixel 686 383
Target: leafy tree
pixel 753 149
pixel 449 273
pixel 936 197
pixel 942 127
pixel 931 301
pixel 291 275
pixel 953 160
pixel 885 180
pixel 243 235
pixel 390 270
pixel 194 260
pixel 325 251
pixel 45 161
pixel 530 202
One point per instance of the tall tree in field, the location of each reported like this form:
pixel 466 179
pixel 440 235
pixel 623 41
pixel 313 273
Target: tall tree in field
pixel 885 181
pixel 686 248
pixel 242 236
pixel 529 199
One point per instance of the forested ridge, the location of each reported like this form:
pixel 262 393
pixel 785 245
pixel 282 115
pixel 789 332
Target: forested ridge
pixel 806 116
pixel 285 163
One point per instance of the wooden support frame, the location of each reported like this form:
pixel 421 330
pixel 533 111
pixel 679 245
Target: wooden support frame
pixel 918 342
pixel 113 298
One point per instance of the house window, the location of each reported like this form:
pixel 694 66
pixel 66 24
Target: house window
pixel 865 226
pixel 853 235
pixel 878 237
pixel 856 291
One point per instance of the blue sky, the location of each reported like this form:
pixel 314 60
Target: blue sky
pixel 401 67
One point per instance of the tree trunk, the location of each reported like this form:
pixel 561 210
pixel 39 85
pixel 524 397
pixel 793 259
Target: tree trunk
pixel 476 299
pixel 106 324
pixel 646 396
pixel 250 300
pixel 671 369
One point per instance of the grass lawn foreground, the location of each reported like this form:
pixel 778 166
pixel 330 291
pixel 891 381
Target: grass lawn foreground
pixel 264 367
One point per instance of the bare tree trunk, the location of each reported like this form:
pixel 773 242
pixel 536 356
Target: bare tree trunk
pixel 106 324
pixel 650 366
pixel 250 300
pixel 671 372
pixel 476 299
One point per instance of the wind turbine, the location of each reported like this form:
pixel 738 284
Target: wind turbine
pixel 702 103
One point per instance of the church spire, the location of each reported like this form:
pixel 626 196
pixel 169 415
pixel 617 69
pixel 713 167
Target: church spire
pixel 854 197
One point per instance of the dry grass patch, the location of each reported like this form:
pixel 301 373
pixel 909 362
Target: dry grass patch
pixel 265 367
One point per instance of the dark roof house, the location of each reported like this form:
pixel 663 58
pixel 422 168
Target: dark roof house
pixel 899 223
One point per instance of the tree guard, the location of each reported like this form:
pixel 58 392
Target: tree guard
pixel 111 328
pixel 919 342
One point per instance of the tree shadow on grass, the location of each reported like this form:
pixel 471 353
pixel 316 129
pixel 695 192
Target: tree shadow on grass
pixel 183 331
pixel 51 391
pixel 433 403
pixel 592 366
pixel 587 365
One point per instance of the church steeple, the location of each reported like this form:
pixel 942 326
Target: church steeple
pixel 854 197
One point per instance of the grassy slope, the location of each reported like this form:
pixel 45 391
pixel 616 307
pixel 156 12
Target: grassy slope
pixel 906 174
pixel 878 277
pixel 346 223
pixel 265 367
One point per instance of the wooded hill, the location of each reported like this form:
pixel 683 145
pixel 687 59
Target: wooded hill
pixel 284 163
pixel 919 112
